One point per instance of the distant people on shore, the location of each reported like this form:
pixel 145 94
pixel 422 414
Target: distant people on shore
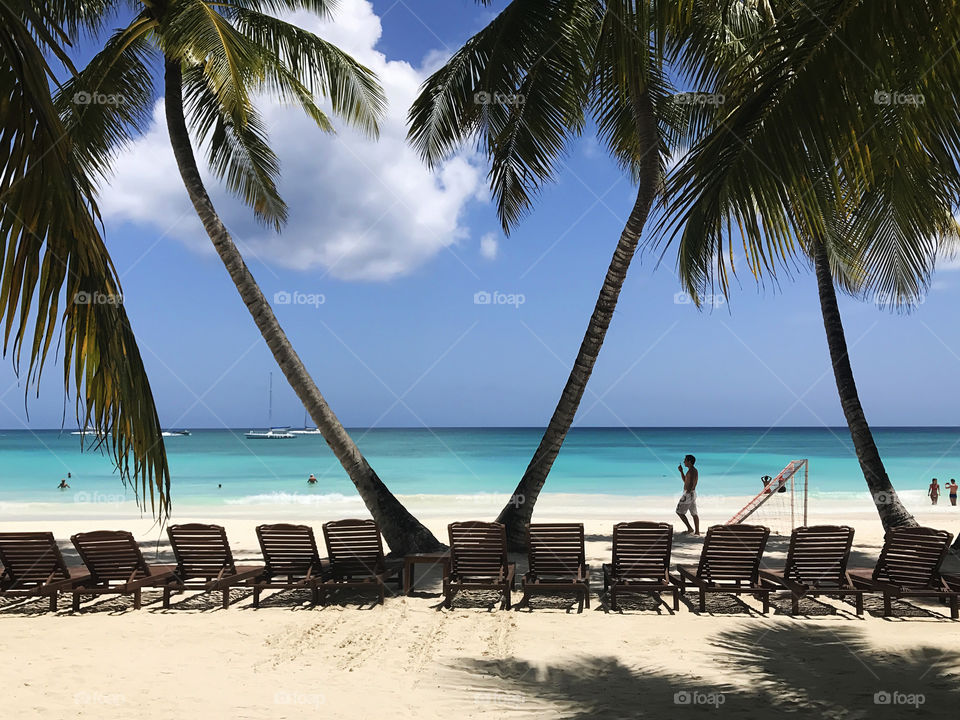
pixel 688 501
pixel 952 490
pixel 63 484
pixel 312 480
pixel 934 491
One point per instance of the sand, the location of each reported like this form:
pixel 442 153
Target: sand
pixel 352 659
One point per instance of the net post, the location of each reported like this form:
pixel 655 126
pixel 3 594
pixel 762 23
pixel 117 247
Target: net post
pixel 806 474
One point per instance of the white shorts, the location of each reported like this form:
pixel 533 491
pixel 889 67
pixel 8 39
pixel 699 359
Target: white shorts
pixel 688 503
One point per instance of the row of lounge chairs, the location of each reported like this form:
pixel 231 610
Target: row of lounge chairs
pixel 730 562
pixel 33 565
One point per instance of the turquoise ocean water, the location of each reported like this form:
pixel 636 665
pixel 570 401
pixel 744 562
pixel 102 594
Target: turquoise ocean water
pixel 457 461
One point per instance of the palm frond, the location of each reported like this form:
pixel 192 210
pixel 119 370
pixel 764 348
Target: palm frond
pixel 55 266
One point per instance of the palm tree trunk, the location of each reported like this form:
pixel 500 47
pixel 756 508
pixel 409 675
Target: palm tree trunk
pixel 519 510
pixel 403 533
pixel 891 510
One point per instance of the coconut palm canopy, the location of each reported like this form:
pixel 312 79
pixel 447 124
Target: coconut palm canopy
pixel 55 270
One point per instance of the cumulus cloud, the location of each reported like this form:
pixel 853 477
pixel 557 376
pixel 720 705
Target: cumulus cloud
pixel 359 209
pixel 489 246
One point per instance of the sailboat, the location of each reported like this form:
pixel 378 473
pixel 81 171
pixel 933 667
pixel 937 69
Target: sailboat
pixel 306 430
pixel 273 433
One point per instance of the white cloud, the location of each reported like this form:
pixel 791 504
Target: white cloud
pixel 361 209
pixel 489 246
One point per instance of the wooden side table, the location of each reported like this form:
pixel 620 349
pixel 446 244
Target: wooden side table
pixel 432 558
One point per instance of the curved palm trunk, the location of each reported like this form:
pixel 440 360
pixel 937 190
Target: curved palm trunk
pixel 403 533
pixel 519 510
pixel 891 510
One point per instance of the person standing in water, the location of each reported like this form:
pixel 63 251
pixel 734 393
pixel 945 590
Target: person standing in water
pixel 688 501
pixel 934 491
pixel 312 480
pixel 63 485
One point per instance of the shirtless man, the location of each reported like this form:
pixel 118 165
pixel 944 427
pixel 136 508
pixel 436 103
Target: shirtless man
pixel 952 489
pixel 688 501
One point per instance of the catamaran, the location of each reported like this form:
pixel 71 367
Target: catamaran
pixel 274 433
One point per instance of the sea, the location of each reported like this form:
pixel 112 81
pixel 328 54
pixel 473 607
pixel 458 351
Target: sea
pixel 222 467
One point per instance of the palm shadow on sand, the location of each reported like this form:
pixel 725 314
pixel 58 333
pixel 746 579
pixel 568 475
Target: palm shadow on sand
pixel 797 671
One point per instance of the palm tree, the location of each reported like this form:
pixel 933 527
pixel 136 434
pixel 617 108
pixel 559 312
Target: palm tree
pixel 216 56
pixel 53 263
pixel 523 86
pixel 857 173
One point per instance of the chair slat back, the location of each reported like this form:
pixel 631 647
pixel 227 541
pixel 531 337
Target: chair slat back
pixel 911 557
pixel 201 550
pixel 732 553
pixel 818 555
pixel 641 550
pixel 478 548
pixel 288 549
pixel 354 547
pixel 555 549
pixel 111 555
pixel 30 559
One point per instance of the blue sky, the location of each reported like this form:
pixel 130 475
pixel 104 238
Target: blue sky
pixel 398 256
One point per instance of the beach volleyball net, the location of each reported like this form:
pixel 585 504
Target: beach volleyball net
pixel 782 503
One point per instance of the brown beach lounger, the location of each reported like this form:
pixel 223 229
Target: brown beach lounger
pixel 292 560
pixel 909 566
pixel 729 563
pixel 355 553
pixel 33 566
pixel 641 561
pixel 204 562
pixel 116 566
pixel 478 561
pixel 557 562
pixel 816 565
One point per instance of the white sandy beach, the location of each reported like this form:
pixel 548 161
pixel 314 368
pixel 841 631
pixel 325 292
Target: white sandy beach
pixel 409 658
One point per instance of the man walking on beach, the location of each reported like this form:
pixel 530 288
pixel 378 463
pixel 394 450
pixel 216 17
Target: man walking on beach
pixel 934 491
pixel 688 501
pixel 952 489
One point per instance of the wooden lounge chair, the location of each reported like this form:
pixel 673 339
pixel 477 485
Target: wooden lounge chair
pixel 478 561
pixel 116 566
pixel 816 565
pixel 33 566
pixel 909 566
pixel 292 560
pixel 729 563
pixel 204 562
pixel 557 562
pixel 355 553
pixel 641 561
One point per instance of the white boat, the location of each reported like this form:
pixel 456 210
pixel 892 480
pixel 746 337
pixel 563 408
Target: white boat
pixel 175 433
pixel 273 433
pixel 306 430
